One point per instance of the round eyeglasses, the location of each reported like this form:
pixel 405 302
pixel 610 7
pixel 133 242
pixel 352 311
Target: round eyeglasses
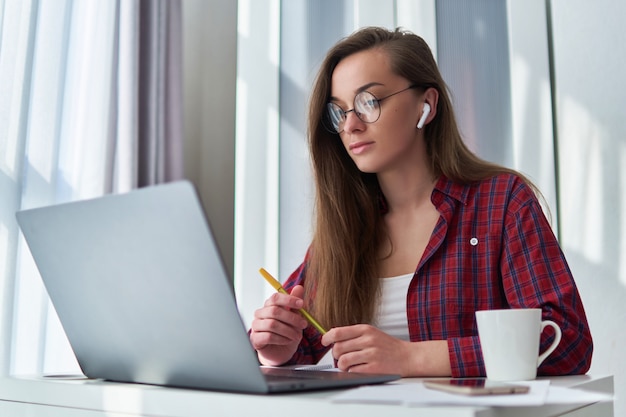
pixel 365 106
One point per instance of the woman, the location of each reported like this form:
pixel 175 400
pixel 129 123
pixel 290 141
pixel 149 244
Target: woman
pixel 413 232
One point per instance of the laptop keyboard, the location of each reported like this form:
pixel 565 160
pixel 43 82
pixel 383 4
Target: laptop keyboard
pixel 280 374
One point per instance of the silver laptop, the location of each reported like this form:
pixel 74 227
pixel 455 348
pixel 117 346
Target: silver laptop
pixel 143 296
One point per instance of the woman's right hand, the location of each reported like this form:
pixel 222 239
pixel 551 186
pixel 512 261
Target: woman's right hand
pixel 276 329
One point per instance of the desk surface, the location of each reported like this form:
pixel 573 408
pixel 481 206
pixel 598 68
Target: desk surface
pixel 50 397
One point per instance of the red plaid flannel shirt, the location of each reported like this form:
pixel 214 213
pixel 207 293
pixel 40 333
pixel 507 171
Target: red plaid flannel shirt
pixel 491 248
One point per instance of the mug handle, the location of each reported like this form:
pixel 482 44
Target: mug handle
pixel 555 342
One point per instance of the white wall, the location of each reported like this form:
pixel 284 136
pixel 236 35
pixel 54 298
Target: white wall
pixel 210 59
pixel 590 66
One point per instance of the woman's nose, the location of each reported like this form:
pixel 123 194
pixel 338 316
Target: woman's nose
pixel 352 122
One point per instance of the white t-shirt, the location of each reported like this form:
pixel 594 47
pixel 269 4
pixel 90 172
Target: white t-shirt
pixel 391 314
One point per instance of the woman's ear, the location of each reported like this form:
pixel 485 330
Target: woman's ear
pixel 425 113
pixel 429 109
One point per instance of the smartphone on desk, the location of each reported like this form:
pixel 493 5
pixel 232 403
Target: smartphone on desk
pixel 475 386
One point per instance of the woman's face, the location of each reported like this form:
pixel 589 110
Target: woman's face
pixel 392 140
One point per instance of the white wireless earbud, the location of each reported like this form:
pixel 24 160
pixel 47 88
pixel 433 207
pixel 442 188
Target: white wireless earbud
pixel 422 120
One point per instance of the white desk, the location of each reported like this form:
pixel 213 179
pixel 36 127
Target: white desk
pixel 46 397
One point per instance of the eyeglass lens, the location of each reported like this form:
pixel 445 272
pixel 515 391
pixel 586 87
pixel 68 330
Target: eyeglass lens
pixel 366 108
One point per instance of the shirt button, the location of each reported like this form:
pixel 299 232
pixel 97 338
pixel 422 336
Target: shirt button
pixel 473 241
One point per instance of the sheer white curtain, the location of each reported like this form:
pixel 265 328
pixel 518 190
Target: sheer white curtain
pixel 70 129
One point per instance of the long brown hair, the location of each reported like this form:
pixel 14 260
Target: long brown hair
pixel 342 283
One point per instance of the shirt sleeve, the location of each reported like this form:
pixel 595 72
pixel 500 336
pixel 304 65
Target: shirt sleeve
pixel 466 359
pixel 535 274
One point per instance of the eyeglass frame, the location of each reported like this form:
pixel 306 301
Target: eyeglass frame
pixel 328 119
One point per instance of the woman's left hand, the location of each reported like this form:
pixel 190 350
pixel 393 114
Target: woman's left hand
pixel 364 348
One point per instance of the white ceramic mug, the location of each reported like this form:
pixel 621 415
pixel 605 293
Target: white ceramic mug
pixel 510 339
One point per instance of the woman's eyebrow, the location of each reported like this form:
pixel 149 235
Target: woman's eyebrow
pixel 359 90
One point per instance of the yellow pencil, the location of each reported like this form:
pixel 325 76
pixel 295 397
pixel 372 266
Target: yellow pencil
pixel 274 283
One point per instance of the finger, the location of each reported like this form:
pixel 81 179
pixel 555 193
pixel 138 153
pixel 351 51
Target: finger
pixel 349 361
pixel 365 368
pixel 262 339
pixel 342 348
pixel 266 332
pixel 284 300
pixel 297 291
pixel 278 328
pixel 340 334
pixel 282 315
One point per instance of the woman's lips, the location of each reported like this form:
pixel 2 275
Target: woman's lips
pixel 360 147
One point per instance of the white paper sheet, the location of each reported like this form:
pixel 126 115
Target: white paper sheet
pixel 416 394
pixel 562 395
